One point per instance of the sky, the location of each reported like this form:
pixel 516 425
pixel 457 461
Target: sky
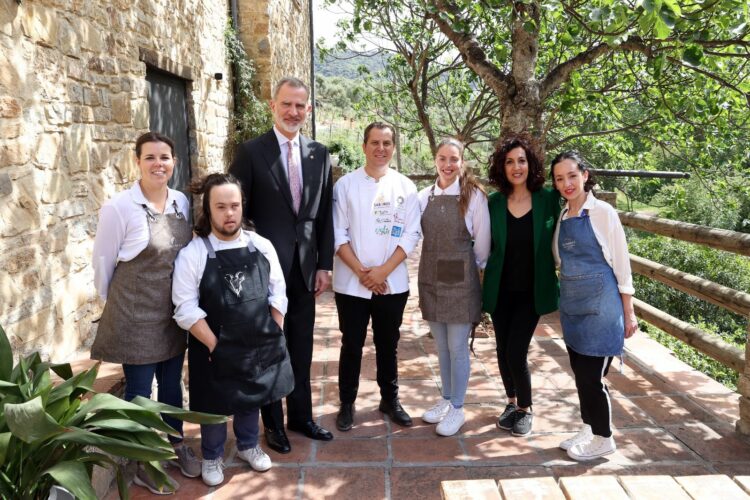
pixel 324 21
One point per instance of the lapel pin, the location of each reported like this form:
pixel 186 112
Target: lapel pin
pixel 312 157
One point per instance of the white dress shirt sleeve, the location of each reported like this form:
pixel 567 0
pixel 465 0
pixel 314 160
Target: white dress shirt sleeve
pixel 480 221
pixel 276 284
pixel 341 234
pixel 186 280
pixel 412 227
pixel 110 233
pixel 618 250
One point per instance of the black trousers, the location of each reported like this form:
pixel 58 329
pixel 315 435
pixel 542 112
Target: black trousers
pixel 596 408
pixel 298 330
pixel 515 320
pixel 387 312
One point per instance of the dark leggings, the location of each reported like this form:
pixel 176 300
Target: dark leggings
pixel 593 394
pixel 515 319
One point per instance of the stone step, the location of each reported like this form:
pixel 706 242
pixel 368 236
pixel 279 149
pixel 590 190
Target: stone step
pixel 655 487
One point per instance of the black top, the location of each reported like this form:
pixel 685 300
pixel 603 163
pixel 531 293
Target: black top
pixel 518 264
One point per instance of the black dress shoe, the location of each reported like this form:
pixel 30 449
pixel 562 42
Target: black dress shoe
pixel 311 430
pixel 277 440
pixel 345 418
pixel 394 410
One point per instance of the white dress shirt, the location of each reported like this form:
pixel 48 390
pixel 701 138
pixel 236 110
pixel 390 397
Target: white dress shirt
pixel 610 236
pixel 375 216
pixel 284 144
pixel 477 217
pixel 191 262
pixel 122 232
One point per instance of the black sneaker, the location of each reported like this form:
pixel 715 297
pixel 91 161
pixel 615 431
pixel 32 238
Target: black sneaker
pixel 397 413
pixel 508 417
pixel 522 427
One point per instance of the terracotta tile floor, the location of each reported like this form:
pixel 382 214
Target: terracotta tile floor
pixel 668 419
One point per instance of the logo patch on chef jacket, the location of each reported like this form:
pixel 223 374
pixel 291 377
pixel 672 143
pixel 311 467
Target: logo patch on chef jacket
pixel 235 282
pixel 396 231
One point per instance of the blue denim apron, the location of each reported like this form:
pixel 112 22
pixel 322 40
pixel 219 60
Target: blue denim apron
pixel 590 303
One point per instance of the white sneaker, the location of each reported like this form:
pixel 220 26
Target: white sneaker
pixel 583 436
pixel 453 421
pixel 212 471
pixel 256 457
pixel 437 413
pixel 597 447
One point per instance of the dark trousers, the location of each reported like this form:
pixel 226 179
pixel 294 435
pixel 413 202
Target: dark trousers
pixel 596 409
pixel 515 319
pixel 298 330
pixel 168 373
pixel 387 312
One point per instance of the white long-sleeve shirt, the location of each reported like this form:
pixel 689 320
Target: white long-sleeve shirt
pixel 122 232
pixel 191 262
pixel 477 217
pixel 375 216
pixel 610 236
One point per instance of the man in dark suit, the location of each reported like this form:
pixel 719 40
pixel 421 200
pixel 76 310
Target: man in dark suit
pixel 287 181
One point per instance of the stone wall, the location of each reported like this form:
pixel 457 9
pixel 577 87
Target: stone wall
pixel 276 35
pixel 72 101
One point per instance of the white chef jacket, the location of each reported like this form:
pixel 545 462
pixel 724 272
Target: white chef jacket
pixel 477 217
pixel 610 236
pixel 375 216
pixel 191 262
pixel 122 232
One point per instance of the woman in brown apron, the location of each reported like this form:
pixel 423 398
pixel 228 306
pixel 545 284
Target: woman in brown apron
pixel 456 230
pixel 138 236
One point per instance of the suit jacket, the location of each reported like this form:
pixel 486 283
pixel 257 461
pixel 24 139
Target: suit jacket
pixel 268 202
pixel 545 205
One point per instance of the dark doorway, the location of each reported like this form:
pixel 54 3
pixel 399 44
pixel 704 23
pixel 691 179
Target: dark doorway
pixel 167 107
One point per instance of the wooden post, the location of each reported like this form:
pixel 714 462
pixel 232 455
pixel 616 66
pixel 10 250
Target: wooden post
pixel 743 387
pixel 607 196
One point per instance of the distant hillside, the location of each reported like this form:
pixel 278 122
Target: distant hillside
pixel 346 63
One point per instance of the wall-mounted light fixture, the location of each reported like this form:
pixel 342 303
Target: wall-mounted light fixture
pixel 218 77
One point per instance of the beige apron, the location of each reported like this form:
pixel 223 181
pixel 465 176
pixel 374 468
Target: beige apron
pixel 136 326
pixel 449 289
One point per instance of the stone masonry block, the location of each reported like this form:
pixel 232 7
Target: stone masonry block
pixel 39 23
pixel 56 188
pixel 47 151
pixel 33 326
pixel 17 215
pixel 9 107
pixel 78 139
pixel 653 488
pixel 581 488
pixel 476 489
pixel 539 488
pixel 711 486
pixel 121 109
pixel 16 152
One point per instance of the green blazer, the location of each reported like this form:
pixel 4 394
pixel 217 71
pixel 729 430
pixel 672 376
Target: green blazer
pixel 545 205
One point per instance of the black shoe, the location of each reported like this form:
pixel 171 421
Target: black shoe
pixel 277 440
pixel 311 430
pixel 522 426
pixel 507 417
pixel 345 418
pixel 394 410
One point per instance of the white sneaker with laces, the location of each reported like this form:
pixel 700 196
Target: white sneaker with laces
pixel 452 422
pixel 256 457
pixel 437 413
pixel 583 436
pixel 597 447
pixel 212 471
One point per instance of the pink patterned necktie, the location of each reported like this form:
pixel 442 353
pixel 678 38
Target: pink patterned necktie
pixel 295 184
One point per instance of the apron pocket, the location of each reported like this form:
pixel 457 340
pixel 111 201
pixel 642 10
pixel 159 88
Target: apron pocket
pixel 450 272
pixel 581 295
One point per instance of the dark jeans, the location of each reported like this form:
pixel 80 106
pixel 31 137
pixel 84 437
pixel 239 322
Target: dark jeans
pixel 515 319
pixel 298 330
pixel 138 380
pixel 596 408
pixel 213 436
pixel 387 312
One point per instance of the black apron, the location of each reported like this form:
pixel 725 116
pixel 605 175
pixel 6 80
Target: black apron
pixel 250 365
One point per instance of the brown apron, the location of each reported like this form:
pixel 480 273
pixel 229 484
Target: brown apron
pixel 136 326
pixel 449 289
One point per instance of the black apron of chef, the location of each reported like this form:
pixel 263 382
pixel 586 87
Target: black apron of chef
pixel 250 365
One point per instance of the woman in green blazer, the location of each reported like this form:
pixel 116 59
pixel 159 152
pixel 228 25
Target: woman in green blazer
pixel 520 283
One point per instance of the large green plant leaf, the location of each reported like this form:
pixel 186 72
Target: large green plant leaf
pixel 29 422
pixel 143 417
pixel 6 356
pixel 4 443
pixel 120 447
pixel 179 413
pixel 73 476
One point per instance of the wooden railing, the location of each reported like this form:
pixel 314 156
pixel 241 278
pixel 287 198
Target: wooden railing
pixel 733 300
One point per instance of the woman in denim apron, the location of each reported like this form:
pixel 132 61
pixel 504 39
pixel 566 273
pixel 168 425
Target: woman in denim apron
pixel 596 289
